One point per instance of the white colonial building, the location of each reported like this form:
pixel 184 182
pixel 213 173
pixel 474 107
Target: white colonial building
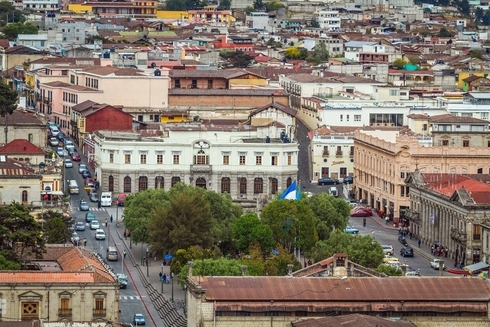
pixel 249 162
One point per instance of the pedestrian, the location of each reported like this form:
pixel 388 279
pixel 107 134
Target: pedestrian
pixel 84 242
pixel 111 219
pixel 364 222
pixel 124 253
pixel 160 276
pixel 418 242
pixel 432 250
pixel 164 278
pixel 129 234
pixel 125 234
pixel 386 220
pixel 372 232
pixel 143 261
pixel 98 204
pixel 106 222
pixel 446 251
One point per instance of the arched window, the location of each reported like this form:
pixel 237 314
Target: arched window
pixel 24 197
pixel 258 185
pixel 274 185
pixel 30 138
pixel 225 185
pixel 243 185
pixel 288 182
pixel 175 180
pixel 111 183
pixel 158 182
pixel 127 184
pixel 142 183
pixel 201 182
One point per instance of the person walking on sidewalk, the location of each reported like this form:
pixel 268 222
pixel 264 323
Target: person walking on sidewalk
pixel 387 220
pixel 125 234
pixel 124 253
pixel 418 242
pixel 160 276
pixel 111 219
pixel 364 222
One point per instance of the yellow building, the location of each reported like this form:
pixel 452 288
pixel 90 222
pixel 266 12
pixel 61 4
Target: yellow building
pixel 174 116
pixel 462 75
pixel 168 14
pixel 80 8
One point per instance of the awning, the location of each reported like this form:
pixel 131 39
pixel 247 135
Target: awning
pixel 52 192
pixel 476 266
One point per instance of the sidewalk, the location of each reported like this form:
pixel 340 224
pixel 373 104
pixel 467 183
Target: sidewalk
pixel 145 280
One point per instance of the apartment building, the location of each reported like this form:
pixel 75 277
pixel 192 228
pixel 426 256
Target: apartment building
pixel 383 158
pixel 140 9
pixel 246 161
pixel 329 20
pixel 471 104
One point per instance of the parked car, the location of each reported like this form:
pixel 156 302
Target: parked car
pixel 120 199
pixel 68 163
pixel 80 226
pixel 60 151
pixel 86 174
pixel 89 217
pixel 54 130
pixel 75 237
pixel 81 167
pixel 348 180
pixel 388 249
pixel 435 264
pixel 361 212
pixel 94 224
pixel 71 150
pixel 53 141
pixel 406 251
pixel 123 280
pixel 351 230
pixel 84 205
pixel 68 142
pixel 89 182
pixel 328 181
pixel 94 197
pixel 138 319
pixel 412 274
pixel 99 234
pixel 390 259
pixel 75 156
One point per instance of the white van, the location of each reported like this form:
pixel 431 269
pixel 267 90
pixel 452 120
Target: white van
pixel 106 199
pixel 73 187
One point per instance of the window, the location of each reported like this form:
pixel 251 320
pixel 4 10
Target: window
pixel 274 160
pixel 159 159
pixel 210 83
pixel 290 159
pixel 479 171
pixel 393 93
pixel 177 83
pixel 445 142
pixel 258 185
pixel 24 197
pixel 142 183
pixel 226 159
pixel 176 159
pixel 111 157
pixel 466 143
pixel 158 182
pixel 99 307
pixel 402 190
pixel 341 117
pixel 127 158
pixel 175 180
pixel 258 160
pixel 127 184
pixel 243 185
pixel 343 172
pixel 225 185
pixel 143 159
pixel 65 309
pixel 30 138
pixel 357 117
pixel 288 182
pixel 274 185
pixel 201 158
pixel 242 160
pixel 347 117
pixel 111 184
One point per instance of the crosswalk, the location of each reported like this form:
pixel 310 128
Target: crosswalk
pixel 94 209
pixel 130 298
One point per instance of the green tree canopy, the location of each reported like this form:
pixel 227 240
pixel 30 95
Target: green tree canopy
pixel 20 234
pixel 330 213
pixel 443 32
pixel 236 58
pixel 258 5
pixel 314 23
pixel 182 256
pixel 186 220
pixel 8 265
pixel 399 63
pixel 292 223
pixel 249 229
pixel 12 30
pixel 390 271
pixel 476 54
pixel 8 100
pixel 292 53
pixel 225 4
pixel 273 5
pixel 57 232
pixel 8 14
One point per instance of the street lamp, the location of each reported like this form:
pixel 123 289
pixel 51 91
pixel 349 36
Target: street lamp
pixel 161 279
pixel 185 300
pixel 172 287
pixel 147 263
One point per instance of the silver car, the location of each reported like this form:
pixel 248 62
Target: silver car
pixel 81 168
pixel 53 141
pixel 68 163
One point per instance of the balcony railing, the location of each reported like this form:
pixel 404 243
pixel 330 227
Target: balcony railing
pixel 412 215
pixel 64 312
pixel 325 153
pixel 99 313
pixel 206 169
pixel 458 236
pixel 338 154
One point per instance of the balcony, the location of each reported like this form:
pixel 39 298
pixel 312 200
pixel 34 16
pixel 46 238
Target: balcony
pixel 458 236
pixel 351 155
pixel 99 313
pixel 326 153
pixel 338 154
pixel 203 169
pixel 64 313
pixel 412 215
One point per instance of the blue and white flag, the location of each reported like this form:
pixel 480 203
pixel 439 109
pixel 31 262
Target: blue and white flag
pixel 291 193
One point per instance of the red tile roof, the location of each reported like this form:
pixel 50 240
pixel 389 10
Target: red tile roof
pixel 20 146
pixel 447 184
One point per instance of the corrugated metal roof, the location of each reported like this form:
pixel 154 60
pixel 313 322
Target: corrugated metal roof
pixel 353 320
pixel 349 289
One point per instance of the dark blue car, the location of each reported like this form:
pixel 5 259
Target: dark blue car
pixel 86 174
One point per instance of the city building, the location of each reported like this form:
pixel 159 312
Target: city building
pixel 471 104
pixel 257 20
pixel 329 20
pixel 140 9
pixel 37 41
pixel 248 162
pixel 210 14
pixel 23 125
pixel 23 150
pixel 71 284
pixel 214 79
pixel 18 55
pixel 451 209
pixel 20 183
pixel 383 158
pixel 41 5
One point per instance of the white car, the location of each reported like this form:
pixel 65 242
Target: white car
pixel 94 224
pixel 54 130
pixel 53 141
pixel 435 264
pixel 388 249
pixel 68 163
pixel 99 234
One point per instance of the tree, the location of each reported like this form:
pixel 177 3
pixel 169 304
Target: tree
pixel 8 265
pixel 330 213
pixel 291 53
pixel 185 221
pixel 476 54
pixel 20 234
pixel 464 7
pixel 303 53
pixel 292 223
pixel 443 32
pixel 8 14
pixel 192 253
pixel 225 4
pixel 138 208
pixel 273 5
pixel 390 271
pixel 479 14
pixel 249 229
pixel 314 23
pixel 236 58
pixel 399 63
pixel 320 52
pixel 486 18
pixel 57 231
pixel 12 30
pixel 258 5
pixel 210 267
pixel 8 103
pixel 249 9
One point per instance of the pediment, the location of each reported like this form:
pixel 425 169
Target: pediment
pixel 30 296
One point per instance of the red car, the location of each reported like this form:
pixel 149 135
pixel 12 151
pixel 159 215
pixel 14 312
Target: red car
pixel 361 212
pixel 89 182
pixel 75 156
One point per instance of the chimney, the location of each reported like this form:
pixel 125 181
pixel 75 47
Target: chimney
pixel 290 269
pixel 191 264
pixel 244 270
